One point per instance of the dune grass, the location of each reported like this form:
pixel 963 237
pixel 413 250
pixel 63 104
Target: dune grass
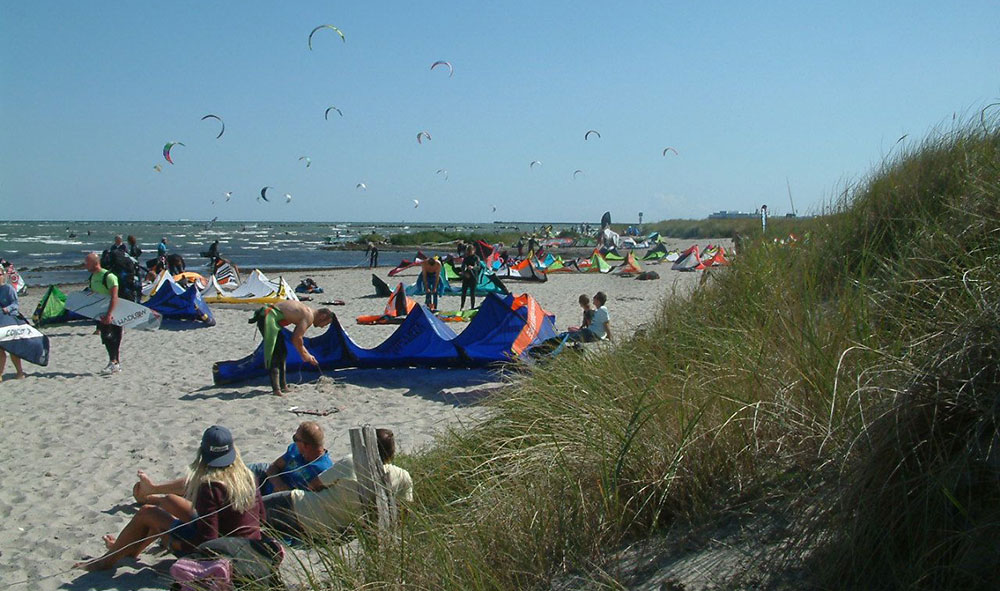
pixel 849 379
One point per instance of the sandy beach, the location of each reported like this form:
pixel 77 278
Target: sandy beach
pixel 72 440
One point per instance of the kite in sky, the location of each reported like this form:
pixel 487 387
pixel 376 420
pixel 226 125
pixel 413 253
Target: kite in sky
pixel 423 134
pixel 221 131
pixel 331 27
pixel 451 70
pixel 166 150
pixel 586 136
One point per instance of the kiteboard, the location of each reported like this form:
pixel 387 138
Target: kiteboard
pixel 17 337
pixel 127 314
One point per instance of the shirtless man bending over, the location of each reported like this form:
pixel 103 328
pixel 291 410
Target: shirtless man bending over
pixel 270 319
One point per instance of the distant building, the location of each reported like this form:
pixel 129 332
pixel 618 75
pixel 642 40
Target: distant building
pixel 731 215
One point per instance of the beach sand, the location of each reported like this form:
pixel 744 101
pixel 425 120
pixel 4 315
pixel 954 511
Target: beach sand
pixel 72 440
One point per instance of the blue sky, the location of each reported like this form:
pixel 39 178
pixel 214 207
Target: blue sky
pixel 748 93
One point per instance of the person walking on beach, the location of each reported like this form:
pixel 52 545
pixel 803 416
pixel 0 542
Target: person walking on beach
pixel 372 255
pixel 431 271
pixel 270 319
pixel 220 500
pixel 8 306
pixel 105 282
pixel 470 276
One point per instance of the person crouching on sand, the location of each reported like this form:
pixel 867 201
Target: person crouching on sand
pixel 270 319
pixel 220 499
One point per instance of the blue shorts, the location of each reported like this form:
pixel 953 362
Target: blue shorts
pixel 186 531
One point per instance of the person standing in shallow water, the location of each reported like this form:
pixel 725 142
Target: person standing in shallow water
pixel 104 282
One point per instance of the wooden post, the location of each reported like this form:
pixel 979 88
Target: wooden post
pixel 373 482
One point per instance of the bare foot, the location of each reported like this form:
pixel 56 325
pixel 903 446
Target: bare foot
pixel 109 540
pixel 143 488
pixel 19 376
pixel 277 393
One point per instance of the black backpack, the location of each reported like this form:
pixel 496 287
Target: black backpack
pixel 127 270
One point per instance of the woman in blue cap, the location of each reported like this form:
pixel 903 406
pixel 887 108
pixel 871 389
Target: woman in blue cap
pixel 220 500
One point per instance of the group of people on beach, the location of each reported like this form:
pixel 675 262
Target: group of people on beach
pixel 302 494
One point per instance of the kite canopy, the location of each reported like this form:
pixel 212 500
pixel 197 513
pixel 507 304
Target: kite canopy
pixel 586 136
pixel 332 28
pixel 263 194
pixel 362 186
pixel 423 134
pixel 51 308
pixel 173 301
pixel 669 149
pixel 534 162
pixel 502 331
pixel 157 168
pixel 451 70
pixel 326 114
pixel 221 131
pixel 442 170
pixel 307 159
pixel 576 172
pixel 166 150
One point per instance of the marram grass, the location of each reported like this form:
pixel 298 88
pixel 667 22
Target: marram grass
pixel 849 379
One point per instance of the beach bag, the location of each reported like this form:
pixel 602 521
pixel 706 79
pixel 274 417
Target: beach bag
pixel 202 575
pixel 253 561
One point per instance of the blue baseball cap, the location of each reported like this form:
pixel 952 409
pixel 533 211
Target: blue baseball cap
pixel 217 449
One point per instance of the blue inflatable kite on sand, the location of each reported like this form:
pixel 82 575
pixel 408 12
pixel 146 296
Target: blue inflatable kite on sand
pixel 504 329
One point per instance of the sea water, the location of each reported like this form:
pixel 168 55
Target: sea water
pixel 51 252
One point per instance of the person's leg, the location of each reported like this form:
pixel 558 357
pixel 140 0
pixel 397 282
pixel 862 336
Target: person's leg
pixel 3 362
pixel 107 338
pixel 435 300
pixel 281 514
pixel 465 288
pixel 147 523
pixel 116 342
pixel 177 506
pixel 281 351
pixel 472 294
pixel 146 487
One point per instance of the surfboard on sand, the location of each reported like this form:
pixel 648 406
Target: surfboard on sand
pixel 17 337
pixel 127 314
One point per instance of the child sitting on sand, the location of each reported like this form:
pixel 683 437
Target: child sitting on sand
pixel 588 314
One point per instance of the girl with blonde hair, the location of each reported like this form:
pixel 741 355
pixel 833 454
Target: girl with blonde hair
pixel 220 500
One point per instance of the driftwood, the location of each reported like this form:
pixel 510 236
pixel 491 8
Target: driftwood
pixel 376 496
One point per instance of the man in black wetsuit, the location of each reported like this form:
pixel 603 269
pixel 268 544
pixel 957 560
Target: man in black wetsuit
pixel 470 276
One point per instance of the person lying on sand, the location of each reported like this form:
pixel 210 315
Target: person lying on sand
pixel 219 499
pixel 336 504
pixel 270 319
pixel 298 468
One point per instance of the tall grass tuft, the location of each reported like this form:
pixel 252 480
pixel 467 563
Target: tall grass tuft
pixel 849 381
